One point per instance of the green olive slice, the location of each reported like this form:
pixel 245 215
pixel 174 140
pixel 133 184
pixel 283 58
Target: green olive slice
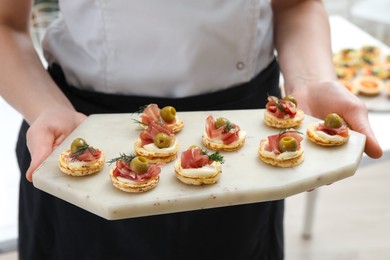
pixel 288 144
pixel 162 140
pixel 292 99
pixel 168 113
pixel 333 120
pixel 220 122
pixel 139 165
pixel 77 145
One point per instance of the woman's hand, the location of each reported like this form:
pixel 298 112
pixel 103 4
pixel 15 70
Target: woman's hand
pixel 48 131
pixel 320 99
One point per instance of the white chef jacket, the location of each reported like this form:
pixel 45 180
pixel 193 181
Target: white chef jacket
pixel 173 48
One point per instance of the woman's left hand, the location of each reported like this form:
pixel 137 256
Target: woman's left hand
pixel 320 99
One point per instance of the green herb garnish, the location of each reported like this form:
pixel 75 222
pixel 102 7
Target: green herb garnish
pixel 123 157
pixel 278 104
pixel 139 122
pixel 228 126
pixel 283 131
pixel 141 109
pixel 81 150
pixel 216 157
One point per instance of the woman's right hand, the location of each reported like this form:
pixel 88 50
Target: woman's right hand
pixel 48 131
pixel 27 86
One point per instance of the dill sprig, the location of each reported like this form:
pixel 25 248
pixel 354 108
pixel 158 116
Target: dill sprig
pixel 228 126
pixel 159 120
pixel 225 123
pixel 122 157
pixel 141 109
pixel 283 131
pixel 216 156
pixel 278 104
pixel 140 123
pixel 80 151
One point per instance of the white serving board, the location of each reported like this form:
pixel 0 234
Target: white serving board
pixel 244 179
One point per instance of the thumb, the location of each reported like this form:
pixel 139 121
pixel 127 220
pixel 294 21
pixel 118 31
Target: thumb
pixel 47 133
pixel 37 157
pixel 40 145
pixel 359 122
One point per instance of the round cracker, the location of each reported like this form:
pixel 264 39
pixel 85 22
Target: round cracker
pixel 177 126
pixel 369 91
pixel 222 147
pixel 198 180
pixel 84 169
pixel 311 133
pixel 136 187
pixel 273 121
pixel 277 160
pixel 154 157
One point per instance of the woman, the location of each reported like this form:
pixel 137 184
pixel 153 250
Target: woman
pixel 193 55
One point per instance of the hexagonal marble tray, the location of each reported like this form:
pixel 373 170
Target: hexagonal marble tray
pixel 244 179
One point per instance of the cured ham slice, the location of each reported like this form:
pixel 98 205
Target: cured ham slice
pixel 333 131
pixel 88 155
pixel 273 141
pixel 227 137
pixel 342 131
pixel 196 167
pixel 280 107
pixel 154 128
pixel 123 170
pixel 151 113
pixel 193 158
pixel 84 160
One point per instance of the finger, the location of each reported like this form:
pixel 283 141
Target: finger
pixel 47 134
pixel 372 148
pixel 359 122
pixel 40 147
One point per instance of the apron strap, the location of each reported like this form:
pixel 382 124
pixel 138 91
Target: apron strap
pixel 250 95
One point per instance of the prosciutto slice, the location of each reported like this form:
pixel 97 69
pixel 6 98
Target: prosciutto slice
pixel 342 131
pixel 273 141
pixel 123 170
pixel 154 128
pixel 227 137
pixel 193 158
pixel 280 107
pixel 87 155
pixel 151 113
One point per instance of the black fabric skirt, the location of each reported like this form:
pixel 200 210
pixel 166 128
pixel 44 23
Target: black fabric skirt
pixel 50 228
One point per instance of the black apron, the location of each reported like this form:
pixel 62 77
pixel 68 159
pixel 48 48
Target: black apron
pixel 50 228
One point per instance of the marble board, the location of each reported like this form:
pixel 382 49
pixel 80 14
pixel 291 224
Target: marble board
pixel 244 179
